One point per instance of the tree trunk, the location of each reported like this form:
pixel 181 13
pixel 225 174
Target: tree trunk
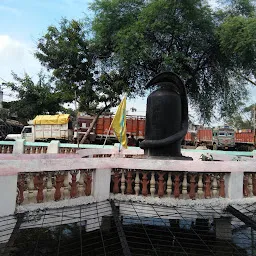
pixel 87 134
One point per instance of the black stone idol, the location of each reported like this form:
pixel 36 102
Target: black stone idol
pixel 166 117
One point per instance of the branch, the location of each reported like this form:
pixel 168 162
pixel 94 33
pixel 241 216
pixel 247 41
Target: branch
pixel 246 78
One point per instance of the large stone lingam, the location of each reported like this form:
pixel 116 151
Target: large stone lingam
pixel 166 117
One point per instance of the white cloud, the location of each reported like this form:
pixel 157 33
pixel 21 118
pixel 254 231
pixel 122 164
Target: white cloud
pixel 18 57
pixel 9 9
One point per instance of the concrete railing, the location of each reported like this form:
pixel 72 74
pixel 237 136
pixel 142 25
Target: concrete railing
pixel 41 179
pixel 22 146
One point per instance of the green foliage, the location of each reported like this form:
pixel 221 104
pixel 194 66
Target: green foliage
pixel 206 157
pixel 66 50
pixel 239 7
pixel 243 119
pixel 237 40
pixel 239 122
pixel 143 38
pixel 4 114
pixel 33 98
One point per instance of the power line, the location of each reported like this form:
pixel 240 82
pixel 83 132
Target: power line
pixel 3 79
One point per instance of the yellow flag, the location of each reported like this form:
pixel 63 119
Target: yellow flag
pixel 119 123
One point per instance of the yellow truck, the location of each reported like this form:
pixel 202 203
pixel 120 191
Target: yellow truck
pixel 46 128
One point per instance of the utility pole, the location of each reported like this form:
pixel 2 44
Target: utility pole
pixel 254 123
pixel 254 112
pixel 76 123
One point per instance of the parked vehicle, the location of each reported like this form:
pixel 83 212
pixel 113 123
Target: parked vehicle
pixel 245 140
pixel 204 137
pixel 135 125
pixel 59 127
pixel 223 138
pixel 190 138
pixel 46 128
pixel 219 138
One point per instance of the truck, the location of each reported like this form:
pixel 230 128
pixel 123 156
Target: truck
pixel 189 139
pixel 245 140
pixel 217 138
pixel 135 125
pixel 46 128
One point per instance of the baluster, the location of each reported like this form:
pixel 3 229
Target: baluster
pixel 207 188
pixel 11 149
pixel 8 151
pixel 39 185
pixel 49 187
pixel 37 150
pixel 200 186
pixel 192 191
pixel 81 184
pixel 222 186
pixel 169 185
pixel 30 182
pixel 245 185
pixel 116 181
pixel 152 184
pixel 21 187
pixel 122 182
pixel 26 150
pixel 66 185
pixel 44 150
pixel 58 184
pixel 185 186
pixel 129 182
pixel 144 182
pixel 33 150
pixel 176 191
pixel 250 188
pixel 1 149
pixel 5 149
pixel 161 184
pixel 137 183
pixel 214 186
pixel 254 184
pixel 88 182
pixel 73 184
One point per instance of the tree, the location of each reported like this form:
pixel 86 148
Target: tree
pixel 69 53
pixel 237 38
pixel 244 118
pixel 33 98
pixel 144 38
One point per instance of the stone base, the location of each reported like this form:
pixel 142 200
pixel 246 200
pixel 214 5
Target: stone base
pixel 167 157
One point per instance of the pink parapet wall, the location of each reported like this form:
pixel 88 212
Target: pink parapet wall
pixel 11 167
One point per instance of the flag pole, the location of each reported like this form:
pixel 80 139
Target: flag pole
pixel 108 133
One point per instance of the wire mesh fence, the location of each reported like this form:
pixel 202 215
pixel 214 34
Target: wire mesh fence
pixel 128 228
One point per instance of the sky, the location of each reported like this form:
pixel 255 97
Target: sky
pixel 23 22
